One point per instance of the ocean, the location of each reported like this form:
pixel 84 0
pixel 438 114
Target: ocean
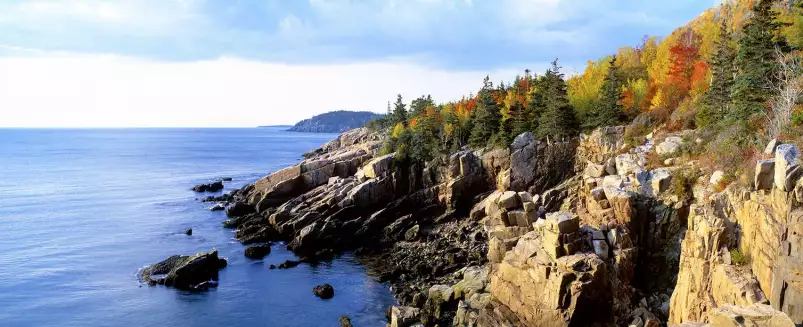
pixel 82 210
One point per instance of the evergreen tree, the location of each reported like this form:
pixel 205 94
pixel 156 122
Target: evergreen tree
pixel 557 119
pixel 755 63
pixel 487 118
pixel 399 112
pixel 610 110
pixel 718 97
pixel 418 105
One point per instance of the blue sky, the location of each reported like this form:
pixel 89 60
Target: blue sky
pixel 452 39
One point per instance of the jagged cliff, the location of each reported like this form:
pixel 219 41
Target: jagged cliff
pixel 576 233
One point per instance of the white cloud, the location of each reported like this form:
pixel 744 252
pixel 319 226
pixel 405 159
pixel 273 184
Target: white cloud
pixel 70 90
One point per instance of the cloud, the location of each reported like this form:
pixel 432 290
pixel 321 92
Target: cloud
pixel 76 90
pixel 460 34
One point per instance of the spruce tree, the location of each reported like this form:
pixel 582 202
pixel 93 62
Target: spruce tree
pixel 755 63
pixel 718 98
pixel 487 119
pixel 557 119
pixel 610 110
pixel 399 112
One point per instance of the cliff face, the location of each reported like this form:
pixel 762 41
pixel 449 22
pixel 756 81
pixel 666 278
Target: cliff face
pixel 334 122
pixel 537 234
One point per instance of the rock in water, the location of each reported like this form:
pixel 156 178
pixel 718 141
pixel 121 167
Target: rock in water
pixel 188 232
pixel 324 291
pixel 218 207
pixel 345 322
pixel 211 187
pixel 191 273
pixel 257 251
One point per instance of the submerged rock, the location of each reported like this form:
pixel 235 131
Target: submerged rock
pixel 345 322
pixel 192 273
pixel 324 291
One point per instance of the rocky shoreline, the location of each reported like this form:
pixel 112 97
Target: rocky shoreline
pixel 575 233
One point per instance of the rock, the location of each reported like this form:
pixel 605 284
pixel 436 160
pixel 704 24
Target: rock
pixel 669 146
pixel 185 272
pixel 756 315
pixel 324 291
pixel 411 234
pixel 601 249
pixel 669 162
pixel 258 251
pixel 787 158
pixel 610 167
pixel 764 174
pixel 218 207
pixel 509 200
pixel 474 281
pixel 628 164
pixel 594 171
pixel 636 322
pixel 239 209
pixel 716 177
pixel 403 316
pixel 442 292
pixel 771 146
pixel 379 167
pixel 188 232
pixel 345 322
pixel 799 191
pixel 792 177
pixel 661 181
pixel 562 222
pixel 523 153
pixel 613 181
pixel 211 187
pixel 525 197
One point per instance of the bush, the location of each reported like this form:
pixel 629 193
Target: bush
pixel 738 258
pixel 683 181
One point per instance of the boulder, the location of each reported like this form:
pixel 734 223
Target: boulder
pixel 669 146
pixel 799 191
pixel 601 249
pixel 756 315
pixel 628 164
pixel 412 233
pixel 345 322
pixel 324 291
pixel 188 232
pixel 764 174
pixel 211 187
pixel 509 200
pixel 594 170
pixel 443 292
pixel 191 273
pixel 371 193
pixel 379 167
pixel 474 281
pixel 218 207
pixel 403 316
pixel 771 146
pixel 523 152
pixel 716 177
pixel 239 209
pixel 787 158
pixel 257 251
pixel 661 181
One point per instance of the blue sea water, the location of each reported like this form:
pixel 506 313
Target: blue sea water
pixel 81 211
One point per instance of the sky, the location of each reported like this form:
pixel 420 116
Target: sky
pixel 242 63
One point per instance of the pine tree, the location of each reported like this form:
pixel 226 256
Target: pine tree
pixel 487 119
pixel 399 112
pixel 755 63
pixel 610 110
pixel 718 97
pixel 557 119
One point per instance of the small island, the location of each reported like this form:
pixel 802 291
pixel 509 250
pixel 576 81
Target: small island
pixel 335 122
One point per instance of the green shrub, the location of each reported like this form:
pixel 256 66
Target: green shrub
pixel 738 258
pixel 683 181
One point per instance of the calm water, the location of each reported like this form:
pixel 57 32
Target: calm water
pixel 82 210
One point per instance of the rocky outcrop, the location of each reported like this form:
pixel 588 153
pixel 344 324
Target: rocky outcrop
pixel 324 291
pixel 193 273
pixel 545 282
pixel 600 146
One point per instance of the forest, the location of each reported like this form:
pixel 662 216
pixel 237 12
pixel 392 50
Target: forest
pixel 735 73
